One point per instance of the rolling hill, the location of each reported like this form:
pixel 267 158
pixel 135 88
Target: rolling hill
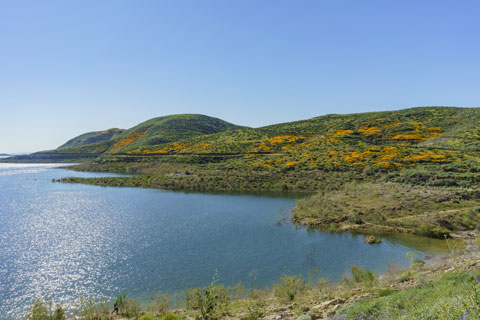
pixel 168 129
pixel 391 139
pixel 153 132
pixel 91 138
pixel 384 140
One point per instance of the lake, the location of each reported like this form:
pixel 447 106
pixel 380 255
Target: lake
pixel 62 241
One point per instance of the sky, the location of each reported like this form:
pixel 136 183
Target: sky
pixel 70 67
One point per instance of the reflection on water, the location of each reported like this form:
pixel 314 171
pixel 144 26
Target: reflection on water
pixel 426 245
pixel 63 241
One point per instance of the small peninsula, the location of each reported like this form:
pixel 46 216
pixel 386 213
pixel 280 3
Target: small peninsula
pixel 408 171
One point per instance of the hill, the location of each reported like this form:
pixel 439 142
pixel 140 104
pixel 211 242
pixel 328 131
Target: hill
pixel 379 139
pixel 92 137
pixel 156 131
pixel 147 134
pixel 168 129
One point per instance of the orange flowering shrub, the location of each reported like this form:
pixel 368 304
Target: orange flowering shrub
pixel 342 133
pixel 291 163
pixel 129 139
pixel 281 139
pixel 406 137
pixel 370 131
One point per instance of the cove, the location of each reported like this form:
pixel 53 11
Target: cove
pixel 62 241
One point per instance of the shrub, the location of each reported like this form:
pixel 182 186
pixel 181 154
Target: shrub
pixel 90 309
pixel 361 275
pixel 160 303
pixel 417 263
pixel 191 298
pixel 132 308
pixel 119 303
pixel 289 287
pixel 470 218
pixel 385 292
pixel 208 300
pixel 431 231
pixel 38 311
pixel 169 316
pixel 405 277
pixel 59 313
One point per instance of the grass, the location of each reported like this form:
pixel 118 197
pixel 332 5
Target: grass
pixel 451 297
pixel 391 207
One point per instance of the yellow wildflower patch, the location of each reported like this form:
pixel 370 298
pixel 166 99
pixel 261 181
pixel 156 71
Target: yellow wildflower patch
pixel 291 163
pixel 369 131
pixel 342 133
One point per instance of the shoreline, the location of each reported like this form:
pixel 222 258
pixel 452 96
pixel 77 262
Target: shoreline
pixel 315 300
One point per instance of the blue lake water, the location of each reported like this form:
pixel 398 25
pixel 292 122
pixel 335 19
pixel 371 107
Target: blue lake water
pixel 62 241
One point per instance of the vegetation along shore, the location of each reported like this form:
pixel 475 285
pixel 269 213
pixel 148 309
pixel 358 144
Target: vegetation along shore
pixel 413 171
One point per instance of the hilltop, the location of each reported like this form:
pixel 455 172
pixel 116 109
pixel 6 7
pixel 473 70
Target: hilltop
pixel 150 133
pixel 382 139
pixel 91 138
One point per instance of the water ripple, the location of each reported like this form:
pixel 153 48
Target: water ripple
pixel 61 241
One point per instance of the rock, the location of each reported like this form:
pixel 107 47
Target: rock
pixel 305 317
pixel 372 240
pixel 325 304
pixel 333 309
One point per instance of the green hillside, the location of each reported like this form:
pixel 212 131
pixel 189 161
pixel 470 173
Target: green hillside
pixel 386 140
pixel 156 131
pixel 167 129
pixel 92 137
pixel 380 139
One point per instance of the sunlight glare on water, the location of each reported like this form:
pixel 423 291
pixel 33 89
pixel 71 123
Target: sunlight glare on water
pixel 64 241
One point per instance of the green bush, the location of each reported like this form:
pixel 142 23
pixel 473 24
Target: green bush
pixel 289 287
pixel 405 277
pixel 169 316
pixel 90 309
pixel 160 303
pixel 385 292
pixel 191 298
pixel 209 300
pixel 470 218
pixel 431 231
pixel 119 303
pixel 361 275
pixel 132 308
pixel 38 311
pixel 59 313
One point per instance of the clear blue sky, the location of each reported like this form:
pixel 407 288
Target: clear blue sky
pixel 68 67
